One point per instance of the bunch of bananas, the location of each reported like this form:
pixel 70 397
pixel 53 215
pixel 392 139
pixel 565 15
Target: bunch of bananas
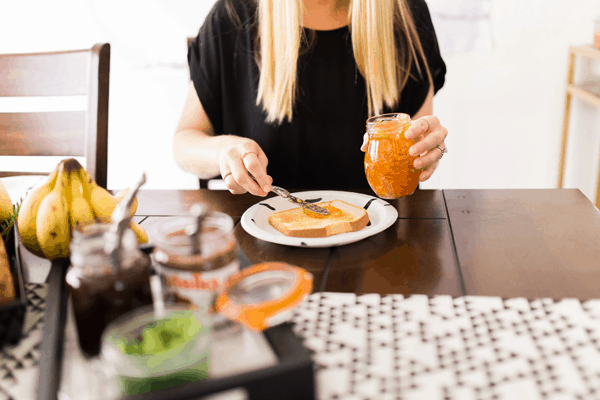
pixel 69 199
pixel 6 207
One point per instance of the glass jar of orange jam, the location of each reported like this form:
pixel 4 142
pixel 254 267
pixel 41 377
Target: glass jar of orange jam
pixel 388 166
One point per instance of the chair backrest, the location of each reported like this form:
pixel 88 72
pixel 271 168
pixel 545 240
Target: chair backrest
pixel 65 133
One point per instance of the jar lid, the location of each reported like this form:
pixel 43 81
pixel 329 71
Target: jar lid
pixel 264 295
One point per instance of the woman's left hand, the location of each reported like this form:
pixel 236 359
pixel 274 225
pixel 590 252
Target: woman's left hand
pixel 429 134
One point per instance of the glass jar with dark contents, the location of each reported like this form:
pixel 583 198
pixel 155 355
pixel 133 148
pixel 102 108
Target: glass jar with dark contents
pixel 100 291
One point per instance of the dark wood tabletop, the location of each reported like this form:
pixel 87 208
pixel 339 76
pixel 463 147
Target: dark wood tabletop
pixel 526 243
pixel 422 204
pixel 509 243
pixel 415 255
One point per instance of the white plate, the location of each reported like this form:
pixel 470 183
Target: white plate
pixel 18 186
pixel 255 220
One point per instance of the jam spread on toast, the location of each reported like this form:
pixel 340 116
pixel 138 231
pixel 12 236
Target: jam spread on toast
pixel 334 212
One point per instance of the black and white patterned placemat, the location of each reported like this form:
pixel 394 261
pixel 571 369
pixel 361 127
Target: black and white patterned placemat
pixel 18 363
pixel 395 347
pixel 479 348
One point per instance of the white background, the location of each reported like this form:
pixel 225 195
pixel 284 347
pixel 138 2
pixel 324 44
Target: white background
pixel 502 102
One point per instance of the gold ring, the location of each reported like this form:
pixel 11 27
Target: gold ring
pixel 428 126
pixel 226 175
pixel 248 152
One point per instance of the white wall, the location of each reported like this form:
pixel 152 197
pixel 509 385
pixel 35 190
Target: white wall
pixel 504 106
pixel 502 103
pixel 149 73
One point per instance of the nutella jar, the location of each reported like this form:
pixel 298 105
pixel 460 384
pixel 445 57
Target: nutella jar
pixel 100 291
pixel 196 267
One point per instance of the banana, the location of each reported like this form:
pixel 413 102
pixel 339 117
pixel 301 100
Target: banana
pixel 6 207
pixel 7 284
pixel 141 234
pixel 53 231
pixel 119 196
pixel 80 211
pixel 102 202
pixel 70 198
pixel 26 220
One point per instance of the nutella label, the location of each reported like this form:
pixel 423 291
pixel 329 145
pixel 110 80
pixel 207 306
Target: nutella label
pixel 199 287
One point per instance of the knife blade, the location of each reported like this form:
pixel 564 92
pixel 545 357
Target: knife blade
pixel 293 199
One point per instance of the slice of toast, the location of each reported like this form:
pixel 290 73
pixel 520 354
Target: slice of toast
pixel 342 218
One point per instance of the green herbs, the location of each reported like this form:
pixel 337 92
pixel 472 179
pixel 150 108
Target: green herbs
pixel 6 226
pixel 162 336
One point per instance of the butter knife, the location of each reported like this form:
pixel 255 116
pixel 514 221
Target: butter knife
pixel 293 199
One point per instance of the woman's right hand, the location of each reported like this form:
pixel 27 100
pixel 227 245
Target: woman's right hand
pixel 238 158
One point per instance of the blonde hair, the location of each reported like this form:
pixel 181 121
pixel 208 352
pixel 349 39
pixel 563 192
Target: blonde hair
pixel 385 44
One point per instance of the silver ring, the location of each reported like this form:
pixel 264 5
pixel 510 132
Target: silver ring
pixel 442 150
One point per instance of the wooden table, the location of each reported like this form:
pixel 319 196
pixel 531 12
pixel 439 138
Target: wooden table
pixel 508 243
pixel 526 243
pixel 413 256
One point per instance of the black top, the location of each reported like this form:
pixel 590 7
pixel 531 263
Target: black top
pixel 320 148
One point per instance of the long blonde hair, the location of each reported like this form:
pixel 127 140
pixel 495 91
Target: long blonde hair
pixel 385 44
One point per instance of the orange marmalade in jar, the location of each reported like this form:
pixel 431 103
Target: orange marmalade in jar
pixel 388 166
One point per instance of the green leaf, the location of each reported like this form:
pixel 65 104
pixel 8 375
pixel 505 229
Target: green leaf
pixel 6 226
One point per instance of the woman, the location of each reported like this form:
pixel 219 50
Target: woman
pixel 291 84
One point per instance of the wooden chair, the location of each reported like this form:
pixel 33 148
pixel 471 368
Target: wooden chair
pixel 65 133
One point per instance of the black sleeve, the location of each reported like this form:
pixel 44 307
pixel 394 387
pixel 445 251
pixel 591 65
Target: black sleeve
pixel 204 59
pixel 416 89
pixel 429 42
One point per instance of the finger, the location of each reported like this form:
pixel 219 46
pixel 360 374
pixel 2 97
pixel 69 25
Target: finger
pixel 427 172
pixel 232 185
pixel 232 167
pixel 228 178
pixel 436 137
pixel 365 142
pixel 255 167
pixel 432 156
pixel 262 158
pixel 240 174
pixel 419 127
